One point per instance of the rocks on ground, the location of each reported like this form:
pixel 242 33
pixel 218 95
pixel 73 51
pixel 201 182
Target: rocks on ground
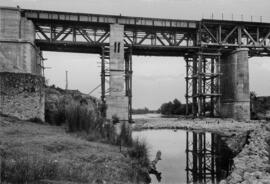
pixel 251 165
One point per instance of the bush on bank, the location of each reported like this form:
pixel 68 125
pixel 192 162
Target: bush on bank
pixel 89 123
pixel 79 119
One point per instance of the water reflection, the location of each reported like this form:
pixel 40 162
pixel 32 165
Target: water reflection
pixel 187 157
pixel 208 160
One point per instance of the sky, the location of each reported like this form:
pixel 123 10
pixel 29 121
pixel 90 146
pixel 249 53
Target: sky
pixel 155 79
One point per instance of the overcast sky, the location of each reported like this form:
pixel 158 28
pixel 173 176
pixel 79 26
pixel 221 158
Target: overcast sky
pixel 156 79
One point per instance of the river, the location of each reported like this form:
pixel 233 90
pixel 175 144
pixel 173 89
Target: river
pixel 186 156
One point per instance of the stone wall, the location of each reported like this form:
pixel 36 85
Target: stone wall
pixel 21 83
pixel 251 165
pixel 22 95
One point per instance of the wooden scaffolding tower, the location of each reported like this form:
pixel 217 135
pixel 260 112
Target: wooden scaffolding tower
pixel 203 84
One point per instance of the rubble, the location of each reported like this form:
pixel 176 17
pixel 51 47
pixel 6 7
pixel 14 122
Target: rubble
pixel 251 165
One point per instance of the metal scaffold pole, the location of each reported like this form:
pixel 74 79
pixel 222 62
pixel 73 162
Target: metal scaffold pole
pixel 104 57
pixel 187 85
pixel 128 80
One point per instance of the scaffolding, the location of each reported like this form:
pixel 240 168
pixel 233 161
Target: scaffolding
pixel 105 73
pixel 203 84
pixel 128 80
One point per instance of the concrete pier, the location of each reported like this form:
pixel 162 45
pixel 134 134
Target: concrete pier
pixel 117 101
pixel 235 98
pixel 21 83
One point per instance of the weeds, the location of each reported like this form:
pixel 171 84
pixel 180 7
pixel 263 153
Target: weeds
pixel 139 154
pixel 80 119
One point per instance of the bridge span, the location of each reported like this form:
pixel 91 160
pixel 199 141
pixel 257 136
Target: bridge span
pixel 216 54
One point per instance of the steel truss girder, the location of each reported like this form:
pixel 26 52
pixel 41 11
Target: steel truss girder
pixel 147 36
pixel 96 35
pixel 224 34
pixel 209 36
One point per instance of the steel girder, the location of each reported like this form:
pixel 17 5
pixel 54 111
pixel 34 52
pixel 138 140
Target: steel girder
pixel 79 32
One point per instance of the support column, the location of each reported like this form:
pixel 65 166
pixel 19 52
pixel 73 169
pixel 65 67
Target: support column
pixel 128 78
pixel 235 98
pixel 117 101
pixel 21 81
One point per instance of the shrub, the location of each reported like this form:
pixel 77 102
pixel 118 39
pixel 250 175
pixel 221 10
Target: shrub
pixel 140 161
pixel 57 116
pixel 139 152
pixel 80 119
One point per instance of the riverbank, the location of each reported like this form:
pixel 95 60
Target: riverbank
pixel 31 151
pixel 215 125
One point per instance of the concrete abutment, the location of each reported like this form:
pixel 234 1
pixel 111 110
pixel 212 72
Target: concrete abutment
pixel 21 83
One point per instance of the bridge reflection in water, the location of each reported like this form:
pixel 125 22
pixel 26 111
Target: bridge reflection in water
pixel 208 159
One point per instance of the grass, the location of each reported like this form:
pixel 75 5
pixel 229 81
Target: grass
pixel 33 151
pixel 80 119
pixel 27 169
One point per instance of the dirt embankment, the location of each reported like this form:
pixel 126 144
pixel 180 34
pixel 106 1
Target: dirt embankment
pixel 33 151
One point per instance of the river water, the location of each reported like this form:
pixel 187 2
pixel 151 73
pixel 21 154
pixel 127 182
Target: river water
pixel 187 157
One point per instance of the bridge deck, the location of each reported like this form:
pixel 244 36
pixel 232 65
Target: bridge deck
pixel 46 16
pixel 81 32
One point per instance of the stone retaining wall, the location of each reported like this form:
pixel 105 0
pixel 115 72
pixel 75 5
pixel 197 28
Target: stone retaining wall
pixel 22 95
pixel 251 165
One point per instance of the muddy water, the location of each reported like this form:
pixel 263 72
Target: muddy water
pixel 187 157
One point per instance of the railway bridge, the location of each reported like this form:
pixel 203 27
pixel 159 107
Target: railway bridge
pixel 216 53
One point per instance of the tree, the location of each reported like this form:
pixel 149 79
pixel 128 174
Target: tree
pixel 172 108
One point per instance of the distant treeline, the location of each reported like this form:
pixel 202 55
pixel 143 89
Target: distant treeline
pixel 173 108
pixel 143 111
